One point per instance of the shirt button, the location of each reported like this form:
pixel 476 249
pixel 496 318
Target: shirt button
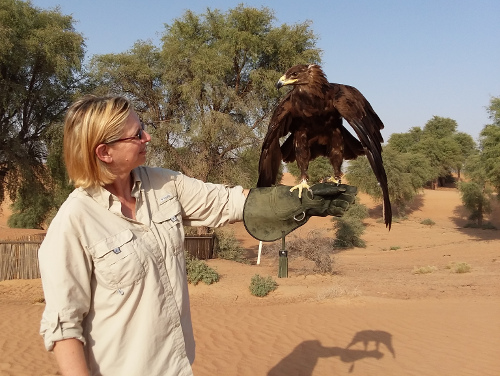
pixel 183 354
pixel 176 325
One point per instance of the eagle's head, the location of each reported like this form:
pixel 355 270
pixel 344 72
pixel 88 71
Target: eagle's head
pixel 302 75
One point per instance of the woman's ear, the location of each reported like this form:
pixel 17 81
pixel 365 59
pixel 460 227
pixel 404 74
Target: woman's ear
pixel 102 153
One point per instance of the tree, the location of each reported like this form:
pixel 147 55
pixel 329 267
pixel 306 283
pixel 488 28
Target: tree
pixel 494 110
pixel 213 87
pixel 136 74
pixel 467 148
pixel 489 146
pixel 440 147
pixel 403 142
pixel 220 70
pixel 439 142
pixel 476 194
pixel 406 175
pixel 41 58
pixel 483 168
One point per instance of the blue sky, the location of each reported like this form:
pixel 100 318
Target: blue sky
pixel 412 59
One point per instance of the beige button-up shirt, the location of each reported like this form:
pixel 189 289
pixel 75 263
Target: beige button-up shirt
pixel 119 285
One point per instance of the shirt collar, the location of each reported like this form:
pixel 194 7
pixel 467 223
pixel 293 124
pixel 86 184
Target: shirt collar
pixel 104 198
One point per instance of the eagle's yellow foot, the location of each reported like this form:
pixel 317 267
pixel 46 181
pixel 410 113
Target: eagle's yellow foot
pixel 302 185
pixel 336 180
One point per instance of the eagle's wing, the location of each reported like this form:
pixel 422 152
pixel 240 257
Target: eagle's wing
pixel 358 112
pixel 271 156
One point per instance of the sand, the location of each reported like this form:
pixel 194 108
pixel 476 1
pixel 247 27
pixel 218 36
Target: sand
pixel 374 316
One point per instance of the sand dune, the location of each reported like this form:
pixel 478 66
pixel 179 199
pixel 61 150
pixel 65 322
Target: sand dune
pixel 373 317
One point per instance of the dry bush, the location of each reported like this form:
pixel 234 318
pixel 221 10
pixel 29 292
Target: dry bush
pixel 337 291
pixel 314 247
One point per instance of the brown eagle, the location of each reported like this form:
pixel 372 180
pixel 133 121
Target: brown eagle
pixel 311 115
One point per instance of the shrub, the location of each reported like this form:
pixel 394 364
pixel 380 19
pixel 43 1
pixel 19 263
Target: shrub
pixel 227 246
pixel 314 247
pixel 198 270
pixel 462 267
pixel 428 222
pixel 424 270
pixel 358 211
pixel 348 233
pixel 350 227
pixel 337 291
pixel 260 286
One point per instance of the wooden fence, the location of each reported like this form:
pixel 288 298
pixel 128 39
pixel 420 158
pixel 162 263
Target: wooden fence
pixel 19 258
pixel 201 247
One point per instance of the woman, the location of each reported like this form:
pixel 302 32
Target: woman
pixel 112 263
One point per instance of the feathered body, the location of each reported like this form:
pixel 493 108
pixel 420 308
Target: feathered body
pixel 311 115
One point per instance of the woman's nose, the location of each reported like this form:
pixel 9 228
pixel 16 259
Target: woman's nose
pixel 147 137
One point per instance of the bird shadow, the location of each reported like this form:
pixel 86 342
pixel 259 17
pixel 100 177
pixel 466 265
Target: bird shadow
pixel 304 357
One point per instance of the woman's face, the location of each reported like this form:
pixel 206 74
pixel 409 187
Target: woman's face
pixel 129 151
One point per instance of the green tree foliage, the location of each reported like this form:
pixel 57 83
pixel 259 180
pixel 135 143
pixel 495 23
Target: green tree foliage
pixel 406 175
pixel 489 146
pixel 439 142
pixel 137 74
pixel 40 70
pixel 439 146
pixel 483 168
pixel 212 84
pixel 476 193
pixel 467 148
pixel 494 110
pixel 403 142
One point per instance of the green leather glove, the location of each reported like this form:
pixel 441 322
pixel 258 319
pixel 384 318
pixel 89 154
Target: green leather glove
pixel 270 211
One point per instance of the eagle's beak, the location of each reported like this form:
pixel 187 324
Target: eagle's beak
pixel 281 82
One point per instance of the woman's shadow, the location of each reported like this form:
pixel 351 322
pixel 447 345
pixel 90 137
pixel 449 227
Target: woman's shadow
pixel 303 359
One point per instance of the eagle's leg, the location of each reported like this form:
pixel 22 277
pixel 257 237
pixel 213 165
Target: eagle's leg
pixel 336 156
pixel 302 156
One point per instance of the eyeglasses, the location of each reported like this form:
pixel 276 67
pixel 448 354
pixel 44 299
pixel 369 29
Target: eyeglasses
pixel 138 136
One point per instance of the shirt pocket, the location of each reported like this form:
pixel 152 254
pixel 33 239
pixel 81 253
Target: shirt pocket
pixel 116 261
pixel 168 221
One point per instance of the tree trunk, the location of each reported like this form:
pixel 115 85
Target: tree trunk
pixel 480 214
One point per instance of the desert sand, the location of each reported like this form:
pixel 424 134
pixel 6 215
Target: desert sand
pixel 374 316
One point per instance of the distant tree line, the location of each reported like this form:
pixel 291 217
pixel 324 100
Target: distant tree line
pixel 206 93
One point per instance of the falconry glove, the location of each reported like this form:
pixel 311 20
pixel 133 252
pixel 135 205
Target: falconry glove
pixel 269 212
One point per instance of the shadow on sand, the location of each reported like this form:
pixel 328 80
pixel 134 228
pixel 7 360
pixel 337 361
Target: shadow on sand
pixel 303 359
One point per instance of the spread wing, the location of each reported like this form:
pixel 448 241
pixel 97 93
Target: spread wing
pixel 271 156
pixel 358 112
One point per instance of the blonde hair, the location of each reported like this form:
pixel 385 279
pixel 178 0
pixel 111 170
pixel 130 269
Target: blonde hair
pixel 89 122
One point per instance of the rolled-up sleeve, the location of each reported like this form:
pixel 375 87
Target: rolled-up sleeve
pixel 66 271
pixel 207 204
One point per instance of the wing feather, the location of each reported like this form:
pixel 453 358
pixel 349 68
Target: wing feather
pixel 271 155
pixel 358 112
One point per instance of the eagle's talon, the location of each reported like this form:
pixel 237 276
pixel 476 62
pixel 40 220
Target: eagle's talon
pixel 336 180
pixel 302 185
